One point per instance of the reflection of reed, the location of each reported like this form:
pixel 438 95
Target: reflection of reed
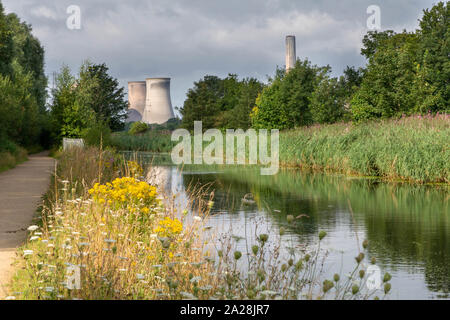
pixel 405 224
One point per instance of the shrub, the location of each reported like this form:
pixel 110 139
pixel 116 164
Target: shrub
pixel 138 127
pixel 96 135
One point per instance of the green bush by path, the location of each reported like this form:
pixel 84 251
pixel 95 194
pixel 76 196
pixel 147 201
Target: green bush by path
pixel 414 148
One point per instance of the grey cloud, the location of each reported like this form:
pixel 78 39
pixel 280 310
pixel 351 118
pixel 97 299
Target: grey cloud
pixel 188 39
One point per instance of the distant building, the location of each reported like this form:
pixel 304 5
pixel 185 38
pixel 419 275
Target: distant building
pixel 149 101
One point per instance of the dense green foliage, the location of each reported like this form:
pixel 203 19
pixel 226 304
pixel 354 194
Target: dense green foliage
pixel 220 103
pixel 138 127
pixel 407 72
pixel 108 102
pixel 91 99
pixel 413 148
pixel 22 85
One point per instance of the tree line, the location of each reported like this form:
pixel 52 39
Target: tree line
pixel 22 85
pixel 88 104
pixel 406 73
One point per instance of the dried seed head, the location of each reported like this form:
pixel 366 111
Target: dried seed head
pixel 359 258
pixel 361 273
pixel 365 244
pixel 355 289
pixel 322 234
pixel 263 237
pixel 336 277
pixel 255 249
pixel 327 285
pixel 237 255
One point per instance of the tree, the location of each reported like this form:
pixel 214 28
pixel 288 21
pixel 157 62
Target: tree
pixel 202 103
pixel 220 103
pixel 434 37
pixel 6 45
pixel 70 110
pixel 373 40
pixel 328 101
pixel 386 89
pixel 29 55
pixel 108 101
pixel 285 103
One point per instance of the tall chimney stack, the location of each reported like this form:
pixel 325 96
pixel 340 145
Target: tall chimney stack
pixel 291 56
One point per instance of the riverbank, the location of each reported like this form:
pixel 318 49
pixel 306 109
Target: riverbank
pixel 413 149
pixel 10 159
pixel 21 190
pixel 126 239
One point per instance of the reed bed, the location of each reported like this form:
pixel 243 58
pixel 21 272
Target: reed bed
pixel 414 148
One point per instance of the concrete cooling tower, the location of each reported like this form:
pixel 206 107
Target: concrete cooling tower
pixel 136 99
pixel 158 106
pixel 291 55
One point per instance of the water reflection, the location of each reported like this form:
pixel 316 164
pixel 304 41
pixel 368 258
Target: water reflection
pixel 407 226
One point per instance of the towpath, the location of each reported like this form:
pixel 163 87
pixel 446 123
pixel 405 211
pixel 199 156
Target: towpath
pixel 21 190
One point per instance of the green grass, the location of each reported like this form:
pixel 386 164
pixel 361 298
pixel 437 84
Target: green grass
pixel 9 159
pixel 153 141
pixel 414 148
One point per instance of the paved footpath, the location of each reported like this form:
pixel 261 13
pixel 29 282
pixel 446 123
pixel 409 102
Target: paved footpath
pixel 21 190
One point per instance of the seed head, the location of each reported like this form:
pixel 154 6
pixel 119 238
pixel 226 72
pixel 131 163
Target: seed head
pixel 263 237
pixel 237 255
pixel 387 288
pixel 322 234
pixel 359 258
pixel 355 289
pixel 336 277
pixel 327 285
pixel 365 244
pixel 361 273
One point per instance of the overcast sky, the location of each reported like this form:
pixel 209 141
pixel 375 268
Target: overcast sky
pixel 187 39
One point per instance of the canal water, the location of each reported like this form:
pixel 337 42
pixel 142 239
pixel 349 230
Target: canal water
pixel 407 226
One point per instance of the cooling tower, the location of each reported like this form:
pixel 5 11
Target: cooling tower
pixel 158 106
pixel 291 56
pixel 136 99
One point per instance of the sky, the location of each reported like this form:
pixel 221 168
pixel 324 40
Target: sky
pixel 188 39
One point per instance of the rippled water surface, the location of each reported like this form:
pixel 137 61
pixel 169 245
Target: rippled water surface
pixel 408 227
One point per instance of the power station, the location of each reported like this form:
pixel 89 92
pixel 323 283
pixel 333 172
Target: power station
pixel 149 101
pixel 291 55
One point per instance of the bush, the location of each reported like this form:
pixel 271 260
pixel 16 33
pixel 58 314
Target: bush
pixel 99 134
pixel 138 127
